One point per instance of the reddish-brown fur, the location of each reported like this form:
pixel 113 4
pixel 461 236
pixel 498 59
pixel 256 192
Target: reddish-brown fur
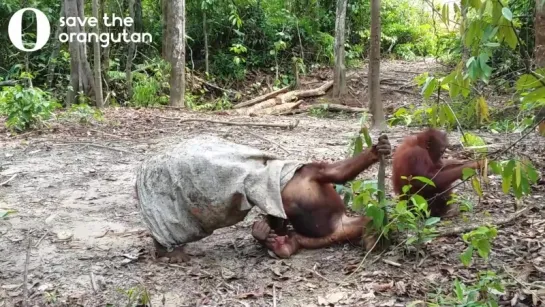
pixel 315 209
pixel 420 155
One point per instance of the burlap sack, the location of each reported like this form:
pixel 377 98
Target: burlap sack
pixel 207 183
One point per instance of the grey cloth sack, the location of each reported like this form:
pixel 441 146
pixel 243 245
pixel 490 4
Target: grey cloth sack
pixel 207 183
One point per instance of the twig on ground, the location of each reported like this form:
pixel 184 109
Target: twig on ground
pixel 105 133
pixel 25 276
pixel 272 142
pixel 289 126
pixel 40 240
pixel 93 281
pixel 340 283
pixel 7 181
pixel 338 108
pixel 502 222
pixel 274 295
pixel 94 145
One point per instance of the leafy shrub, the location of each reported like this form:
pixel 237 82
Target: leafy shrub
pixel 83 113
pixel 26 107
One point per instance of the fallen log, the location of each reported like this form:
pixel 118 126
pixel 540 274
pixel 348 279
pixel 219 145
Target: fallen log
pixel 337 108
pixel 289 126
pixel 261 98
pixel 279 109
pixel 255 108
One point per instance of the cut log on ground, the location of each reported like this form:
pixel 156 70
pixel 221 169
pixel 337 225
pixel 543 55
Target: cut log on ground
pixel 260 106
pixel 261 98
pixel 279 109
pixel 282 98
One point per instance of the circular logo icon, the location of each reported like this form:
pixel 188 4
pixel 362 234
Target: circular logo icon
pixel 15 30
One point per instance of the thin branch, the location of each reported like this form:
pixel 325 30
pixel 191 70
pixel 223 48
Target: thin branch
pixel 25 277
pixel 7 181
pixel 289 126
pixel 502 222
pixel 272 142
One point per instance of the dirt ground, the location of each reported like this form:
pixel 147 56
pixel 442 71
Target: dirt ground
pixel 77 219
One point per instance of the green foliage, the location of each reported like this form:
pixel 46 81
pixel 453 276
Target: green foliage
pixel 412 216
pixel 26 107
pixel 4 213
pixel 219 104
pixel 83 113
pixel 485 293
pixel 361 195
pixel 146 93
pixel 136 296
pixel 479 240
pixel 517 176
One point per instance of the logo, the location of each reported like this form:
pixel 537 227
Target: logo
pixel 15 30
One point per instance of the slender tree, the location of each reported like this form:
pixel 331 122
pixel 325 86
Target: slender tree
pixel 99 102
pixel 539 24
pixel 375 101
pixel 81 76
pixel 339 74
pixel 176 41
pixel 131 52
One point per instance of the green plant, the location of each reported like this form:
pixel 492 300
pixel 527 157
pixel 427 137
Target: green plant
pixel 136 296
pixel 479 240
pixel 146 93
pixel 517 175
pixel 412 216
pixel 4 213
pixel 319 112
pixel 485 293
pixel 83 113
pixel 219 104
pixel 26 107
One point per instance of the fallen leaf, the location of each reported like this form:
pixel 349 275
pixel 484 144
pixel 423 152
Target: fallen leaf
pixel 383 287
pixel 335 297
pixel 400 288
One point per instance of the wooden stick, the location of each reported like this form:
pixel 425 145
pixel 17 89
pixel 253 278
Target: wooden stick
pixel 25 277
pixel 274 295
pixel 502 222
pixel 289 126
pixel 338 108
pixel 95 145
pixel 261 98
pixel 274 143
pixel 7 181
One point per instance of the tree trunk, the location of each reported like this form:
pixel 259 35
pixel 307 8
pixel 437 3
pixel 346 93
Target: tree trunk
pixel 138 22
pixel 205 32
pixel 339 74
pixel 81 76
pixel 375 101
pixel 105 50
pixel 539 24
pixel 176 41
pixel 99 102
pixel 55 51
pixel 130 54
pixel 166 43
